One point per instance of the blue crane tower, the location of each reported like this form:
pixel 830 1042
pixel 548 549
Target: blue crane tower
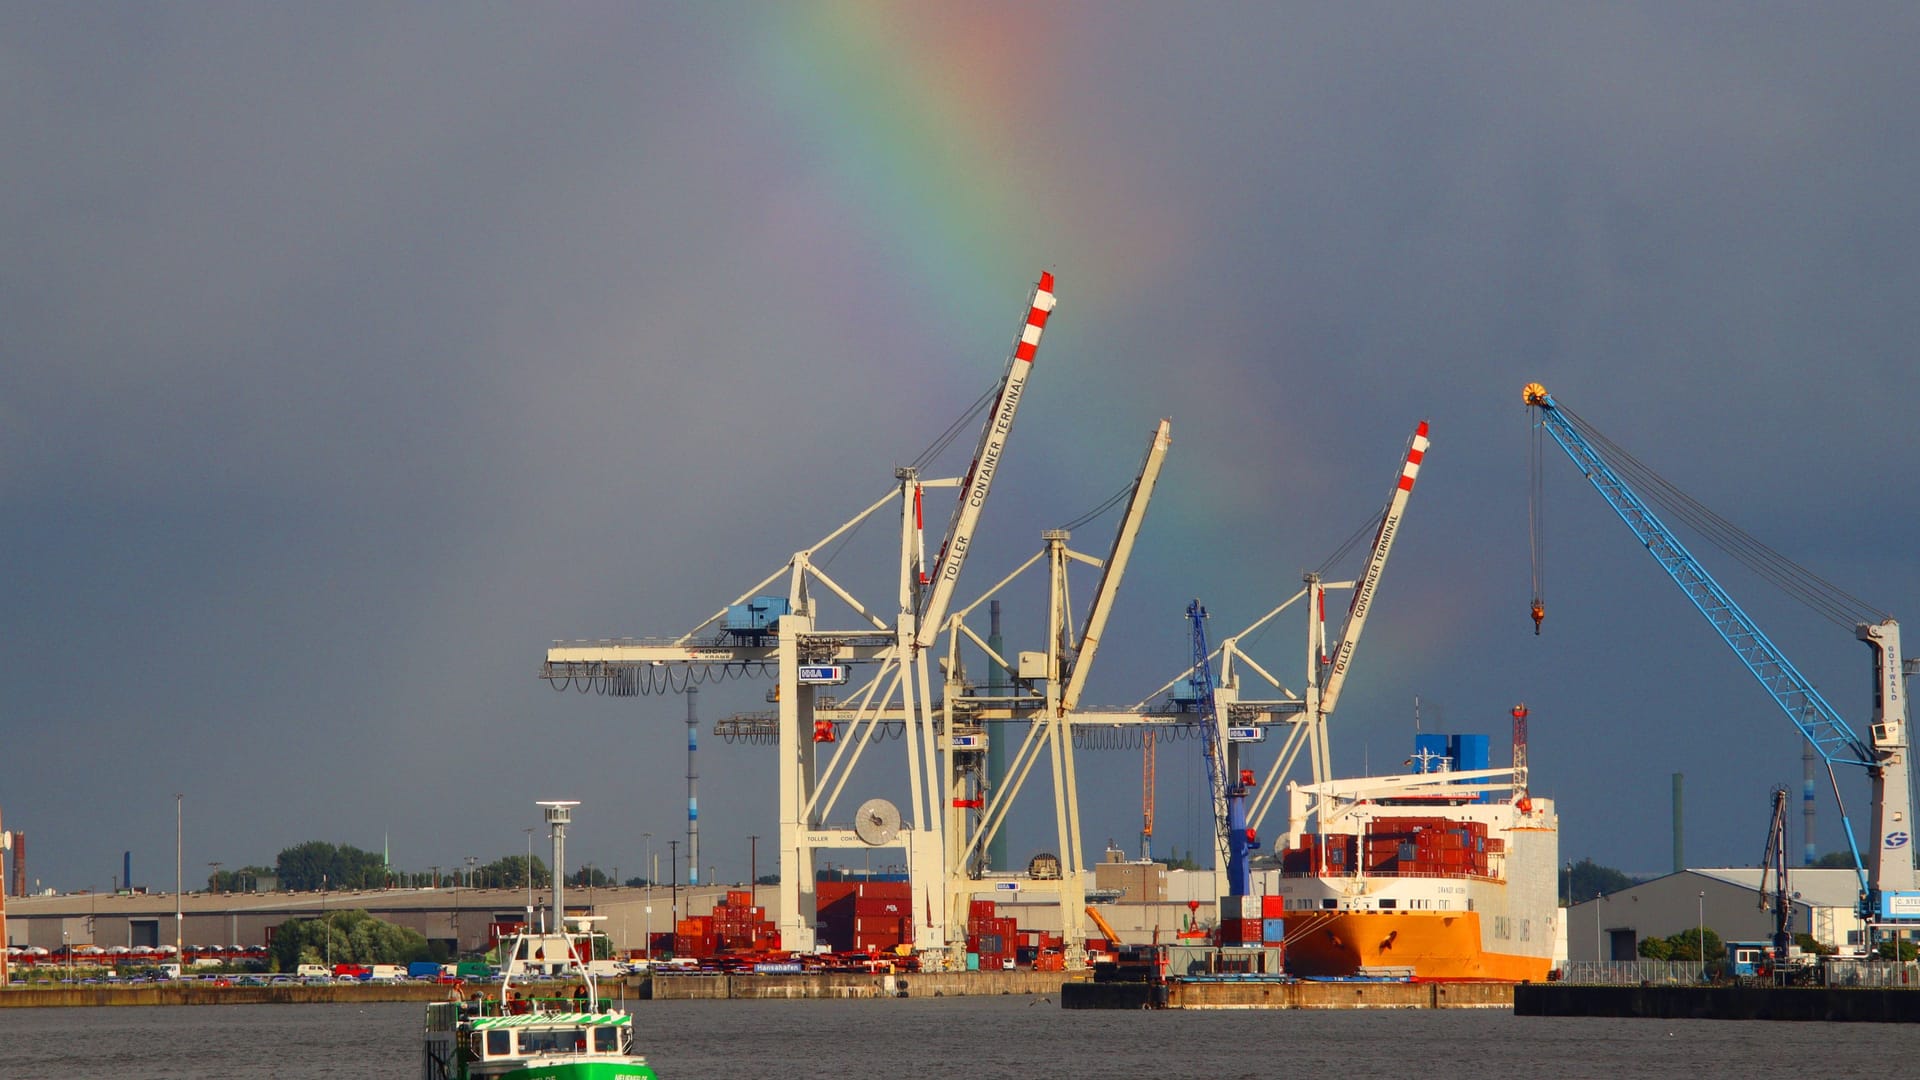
pixel 1888 897
pixel 1225 781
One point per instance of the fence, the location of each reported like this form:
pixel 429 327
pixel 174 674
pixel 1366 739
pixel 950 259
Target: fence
pixel 1872 973
pixel 1634 972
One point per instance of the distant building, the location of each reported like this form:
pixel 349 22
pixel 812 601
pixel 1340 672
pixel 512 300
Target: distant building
pixel 1728 900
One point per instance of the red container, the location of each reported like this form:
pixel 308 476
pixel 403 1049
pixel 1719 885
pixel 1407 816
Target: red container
pixel 1273 907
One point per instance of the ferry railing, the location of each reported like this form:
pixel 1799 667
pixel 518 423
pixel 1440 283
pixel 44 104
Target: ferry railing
pixel 1634 972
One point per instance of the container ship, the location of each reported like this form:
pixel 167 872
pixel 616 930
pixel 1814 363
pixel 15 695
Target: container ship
pixel 1444 873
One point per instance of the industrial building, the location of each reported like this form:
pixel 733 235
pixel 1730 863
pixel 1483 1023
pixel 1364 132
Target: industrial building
pixel 1726 901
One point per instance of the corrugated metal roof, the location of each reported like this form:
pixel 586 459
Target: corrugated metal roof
pixel 1822 887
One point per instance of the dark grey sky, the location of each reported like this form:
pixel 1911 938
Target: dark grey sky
pixel 350 354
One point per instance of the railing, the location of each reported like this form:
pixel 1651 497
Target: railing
pixel 1634 972
pixel 1872 973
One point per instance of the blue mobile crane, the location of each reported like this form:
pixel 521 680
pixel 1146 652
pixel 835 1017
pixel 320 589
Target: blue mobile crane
pixel 1225 779
pixel 1888 895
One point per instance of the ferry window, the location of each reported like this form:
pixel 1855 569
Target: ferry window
pixel 499 1042
pixel 606 1038
pixel 562 1040
pixel 1330 903
pixel 1387 903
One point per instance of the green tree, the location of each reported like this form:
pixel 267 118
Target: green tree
pixel 1811 947
pixel 316 863
pixel 1589 879
pixel 1898 950
pixel 347 937
pixel 589 875
pixel 510 872
pixel 1834 860
pixel 246 877
pixel 1654 948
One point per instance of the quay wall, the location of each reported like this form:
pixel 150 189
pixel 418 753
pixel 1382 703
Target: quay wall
pixel 1861 1004
pixel 302 994
pixel 1296 995
pixel 848 985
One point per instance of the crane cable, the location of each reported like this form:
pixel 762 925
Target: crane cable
pixel 1821 596
pixel 1536 511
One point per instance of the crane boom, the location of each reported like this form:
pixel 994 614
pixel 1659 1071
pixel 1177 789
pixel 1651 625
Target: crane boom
pixel 1376 565
pixel 986 461
pixel 1887 879
pixel 1774 862
pixel 1115 567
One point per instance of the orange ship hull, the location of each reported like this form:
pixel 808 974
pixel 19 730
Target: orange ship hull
pixel 1437 945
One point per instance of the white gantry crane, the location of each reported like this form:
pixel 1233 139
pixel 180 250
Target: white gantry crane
pixel 1046 694
pixel 759 633
pixel 1241 719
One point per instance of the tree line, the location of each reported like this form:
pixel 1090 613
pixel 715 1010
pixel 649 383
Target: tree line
pixel 317 865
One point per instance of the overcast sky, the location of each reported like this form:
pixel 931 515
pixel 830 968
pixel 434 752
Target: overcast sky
pixel 350 354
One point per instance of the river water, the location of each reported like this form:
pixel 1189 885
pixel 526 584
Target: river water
pixel 996 1038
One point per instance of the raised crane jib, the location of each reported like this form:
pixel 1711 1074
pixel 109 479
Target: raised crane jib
pixel 1887 877
pixel 1369 582
pixel 986 462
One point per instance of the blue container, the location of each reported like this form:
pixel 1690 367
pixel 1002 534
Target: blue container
pixel 1273 931
pixel 1469 753
pixel 1430 754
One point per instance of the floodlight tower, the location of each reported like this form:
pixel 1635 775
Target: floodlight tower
pixel 559 816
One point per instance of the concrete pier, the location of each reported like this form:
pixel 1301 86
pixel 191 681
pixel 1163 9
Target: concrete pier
pixel 1863 1004
pixel 1289 995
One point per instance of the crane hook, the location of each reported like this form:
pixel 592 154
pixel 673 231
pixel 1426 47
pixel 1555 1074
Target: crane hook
pixel 1539 613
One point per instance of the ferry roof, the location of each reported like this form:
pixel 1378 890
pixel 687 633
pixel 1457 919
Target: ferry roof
pixel 552 1020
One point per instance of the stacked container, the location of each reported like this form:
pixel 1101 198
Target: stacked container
pixel 859 916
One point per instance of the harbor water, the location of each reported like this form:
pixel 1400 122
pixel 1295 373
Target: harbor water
pixel 997 1038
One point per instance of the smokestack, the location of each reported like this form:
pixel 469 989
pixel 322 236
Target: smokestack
pixel 19 864
pixel 126 870
pixel 693 787
pixel 1811 853
pixel 1679 853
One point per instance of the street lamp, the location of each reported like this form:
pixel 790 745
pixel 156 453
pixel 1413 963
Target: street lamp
pixel 753 869
pixel 179 913
pixel 1597 897
pixel 653 871
pixel 529 831
pixel 1703 933
pixel 326 917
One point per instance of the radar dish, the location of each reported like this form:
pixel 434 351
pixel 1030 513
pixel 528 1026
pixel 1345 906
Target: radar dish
pixel 876 823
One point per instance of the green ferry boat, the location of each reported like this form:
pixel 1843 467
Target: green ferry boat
pixel 521 1035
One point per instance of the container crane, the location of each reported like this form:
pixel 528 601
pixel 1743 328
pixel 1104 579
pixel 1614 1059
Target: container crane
pixel 1888 896
pixel 1228 786
pixel 932 610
